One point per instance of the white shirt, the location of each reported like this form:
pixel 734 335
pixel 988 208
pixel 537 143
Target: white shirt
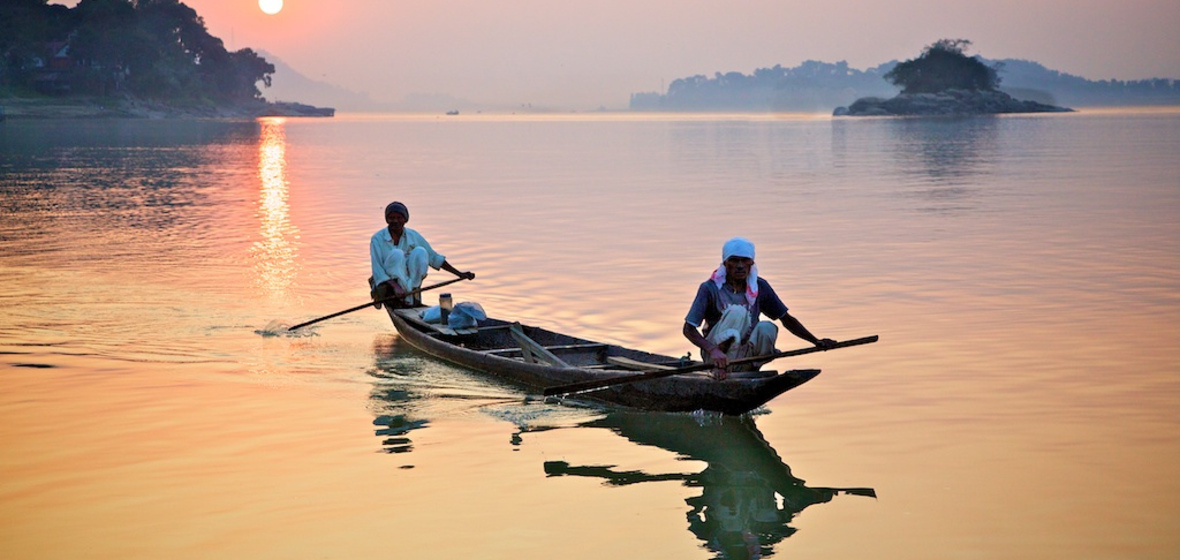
pixel 382 245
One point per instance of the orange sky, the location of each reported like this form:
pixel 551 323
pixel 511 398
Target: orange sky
pixel 584 54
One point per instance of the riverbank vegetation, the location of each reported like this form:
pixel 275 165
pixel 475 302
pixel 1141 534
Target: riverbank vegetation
pixel 153 52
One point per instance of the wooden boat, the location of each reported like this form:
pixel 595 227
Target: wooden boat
pixel 537 358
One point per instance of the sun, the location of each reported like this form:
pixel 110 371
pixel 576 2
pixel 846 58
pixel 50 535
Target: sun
pixel 270 7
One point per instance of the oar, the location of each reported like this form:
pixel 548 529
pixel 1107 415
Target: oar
pixel 600 383
pixel 390 298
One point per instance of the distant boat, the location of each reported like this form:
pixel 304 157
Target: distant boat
pixel 452 112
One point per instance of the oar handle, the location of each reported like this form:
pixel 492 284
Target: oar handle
pixel 601 383
pixel 413 292
pixel 799 352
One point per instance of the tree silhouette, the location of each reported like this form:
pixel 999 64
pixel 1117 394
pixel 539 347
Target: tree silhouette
pixel 152 49
pixel 943 66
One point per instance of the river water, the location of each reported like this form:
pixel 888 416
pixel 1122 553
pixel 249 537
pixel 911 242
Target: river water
pixel 1023 274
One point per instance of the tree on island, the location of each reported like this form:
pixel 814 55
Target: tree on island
pixel 944 66
pixel 945 81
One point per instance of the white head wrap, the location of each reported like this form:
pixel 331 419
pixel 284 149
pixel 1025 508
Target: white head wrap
pixel 739 247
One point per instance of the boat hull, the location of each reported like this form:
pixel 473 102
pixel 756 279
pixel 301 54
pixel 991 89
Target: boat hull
pixel 487 351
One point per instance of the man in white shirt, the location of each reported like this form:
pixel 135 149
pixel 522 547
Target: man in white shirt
pixel 400 256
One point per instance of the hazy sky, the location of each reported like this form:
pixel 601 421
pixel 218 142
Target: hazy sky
pixel 582 54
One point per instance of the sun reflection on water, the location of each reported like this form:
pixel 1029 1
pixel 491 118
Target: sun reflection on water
pixel 274 255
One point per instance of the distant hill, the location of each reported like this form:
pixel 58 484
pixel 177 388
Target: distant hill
pixel 821 86
pixel 288 84
pixel 1026 79
pixel 811 86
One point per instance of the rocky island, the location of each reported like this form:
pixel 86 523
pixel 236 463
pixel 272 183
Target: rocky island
pixel 949 102
pixel 945 81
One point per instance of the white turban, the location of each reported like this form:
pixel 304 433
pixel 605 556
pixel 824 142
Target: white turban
pixel 738 247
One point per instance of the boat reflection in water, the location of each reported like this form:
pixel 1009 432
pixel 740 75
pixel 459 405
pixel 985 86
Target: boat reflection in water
pixel 397 396
pixel 410 388
pixel 748 494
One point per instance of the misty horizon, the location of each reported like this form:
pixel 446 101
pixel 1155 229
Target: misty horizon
pixel 289 84
pixel 586 56
pixel 590 55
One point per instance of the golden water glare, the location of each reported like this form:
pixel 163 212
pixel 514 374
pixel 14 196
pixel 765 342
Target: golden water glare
pixel 274 255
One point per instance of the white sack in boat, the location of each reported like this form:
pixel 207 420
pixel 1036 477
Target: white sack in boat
pixel 464 315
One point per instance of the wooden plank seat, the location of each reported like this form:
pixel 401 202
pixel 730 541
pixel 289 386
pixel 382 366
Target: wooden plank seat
pixel 555 349
pixel 532 351
pixel 612 362
pixel 628 363
pixel 619 362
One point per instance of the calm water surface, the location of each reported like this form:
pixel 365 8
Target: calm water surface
pixel 1023 274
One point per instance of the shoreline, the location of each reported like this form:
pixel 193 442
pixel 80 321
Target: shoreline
pixel 112 108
